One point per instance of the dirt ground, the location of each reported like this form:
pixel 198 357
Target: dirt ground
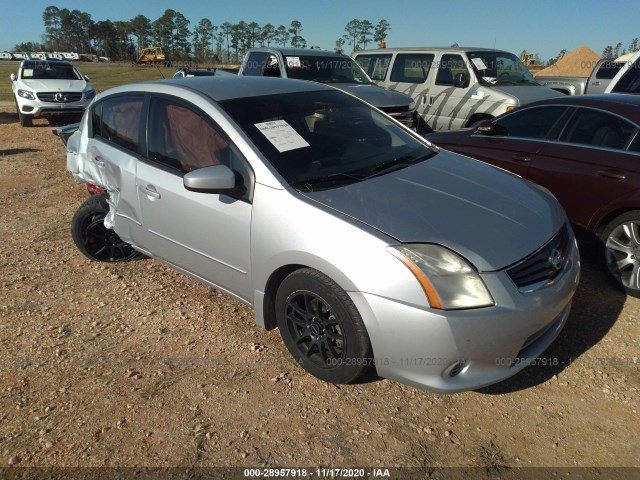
pixel 137 365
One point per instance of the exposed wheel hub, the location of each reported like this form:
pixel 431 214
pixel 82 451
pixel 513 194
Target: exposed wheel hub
pixel 316 329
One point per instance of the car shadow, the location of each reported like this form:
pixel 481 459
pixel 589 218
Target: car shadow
pixel 597 305
pixel 16 151
pixel 8 117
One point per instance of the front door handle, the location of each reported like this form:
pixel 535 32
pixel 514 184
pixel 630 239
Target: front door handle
pixel 521 157
pixel 149 190
pixel 612 174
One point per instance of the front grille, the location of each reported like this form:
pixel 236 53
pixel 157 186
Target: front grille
pixel 545 264
pixel 403 114
pixel 65 97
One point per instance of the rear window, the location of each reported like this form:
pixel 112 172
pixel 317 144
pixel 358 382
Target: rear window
pixel 608 70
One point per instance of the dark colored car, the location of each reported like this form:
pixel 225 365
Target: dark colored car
pixel 586 151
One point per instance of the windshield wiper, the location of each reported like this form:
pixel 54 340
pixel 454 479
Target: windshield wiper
pixel 505 82
pixel 332 179
pixel 398 163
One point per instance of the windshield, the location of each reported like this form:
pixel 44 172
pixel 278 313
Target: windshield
pixel 49 71
pixel 500 68
pixel 324 139
pixel 325 69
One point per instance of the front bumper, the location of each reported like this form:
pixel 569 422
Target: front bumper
pixel 457 350
pixel 39 109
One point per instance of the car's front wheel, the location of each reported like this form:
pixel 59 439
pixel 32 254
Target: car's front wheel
pixel 621 239
pixel 93 239
pixel 322 328
pixel 25 120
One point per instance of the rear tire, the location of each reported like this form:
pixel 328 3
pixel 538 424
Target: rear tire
pixel 621 252
pixel 96 241
pixel 322 328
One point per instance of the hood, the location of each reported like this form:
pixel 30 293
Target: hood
pixel 527 93
pixel 376 96
pixel 54 85
pixel 491 217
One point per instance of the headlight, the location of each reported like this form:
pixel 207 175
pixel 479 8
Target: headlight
pixel 26 94
pixel 89 94
pixel 447 279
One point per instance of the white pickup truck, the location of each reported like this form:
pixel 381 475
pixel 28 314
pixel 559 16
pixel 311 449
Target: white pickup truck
pixel 601 76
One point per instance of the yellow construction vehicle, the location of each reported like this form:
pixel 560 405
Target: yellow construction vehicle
pixel 152 56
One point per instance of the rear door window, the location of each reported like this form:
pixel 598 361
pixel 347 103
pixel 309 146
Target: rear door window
pixel 599 129
pixel 411 68
pixel 118 121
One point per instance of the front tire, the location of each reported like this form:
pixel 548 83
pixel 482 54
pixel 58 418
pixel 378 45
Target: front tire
pixel 621 240
pixel 25 120
pixel 93 239
pixel 322 328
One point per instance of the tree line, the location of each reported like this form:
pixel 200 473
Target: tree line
pixel 74 30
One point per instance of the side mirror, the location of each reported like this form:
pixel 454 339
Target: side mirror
pixel 213 179
pixel 461 80
pixel 489 128
pixel 13 77
pixel 86 77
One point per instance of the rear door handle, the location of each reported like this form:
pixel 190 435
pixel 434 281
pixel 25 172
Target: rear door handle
pixel 99 161
pixel 149 190
pixel 596 84
pixel 521 157
pixel 611 174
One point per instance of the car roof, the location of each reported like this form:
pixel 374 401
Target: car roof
pixel 225 88
pixel 300 52
pixel 420 49
pixel 622 104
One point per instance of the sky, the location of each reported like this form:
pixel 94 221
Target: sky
pixel 540 26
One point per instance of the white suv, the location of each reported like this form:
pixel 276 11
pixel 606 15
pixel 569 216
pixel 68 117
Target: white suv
pixel 47 88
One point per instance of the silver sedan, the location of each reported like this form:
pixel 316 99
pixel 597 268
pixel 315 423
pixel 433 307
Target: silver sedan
pixel 366 246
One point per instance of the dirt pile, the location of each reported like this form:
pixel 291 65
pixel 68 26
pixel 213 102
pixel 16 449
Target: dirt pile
pixel 578 63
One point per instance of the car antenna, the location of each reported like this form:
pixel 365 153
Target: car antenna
pixel 160 71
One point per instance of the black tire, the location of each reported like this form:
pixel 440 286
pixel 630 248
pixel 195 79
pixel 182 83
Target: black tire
pixel 621 251
pixel 322 328
pixel 93 239
pixel 25 120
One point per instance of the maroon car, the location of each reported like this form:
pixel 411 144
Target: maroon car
pixel 586 151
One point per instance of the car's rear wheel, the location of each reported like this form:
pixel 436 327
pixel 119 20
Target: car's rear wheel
pixel 322 328
pixel 621 239
pixel 25 120
pixel 93 239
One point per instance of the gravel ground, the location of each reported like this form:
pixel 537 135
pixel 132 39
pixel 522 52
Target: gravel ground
pixel 137 365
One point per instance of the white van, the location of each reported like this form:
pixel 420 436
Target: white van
pixel 454 88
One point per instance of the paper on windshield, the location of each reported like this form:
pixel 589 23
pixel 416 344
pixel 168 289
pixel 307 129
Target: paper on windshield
pixel 27 72
pixel 479 64
pixel 293 62
pixel 282 135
